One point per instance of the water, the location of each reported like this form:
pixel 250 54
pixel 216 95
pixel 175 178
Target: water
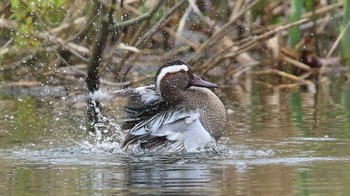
pixel 277 143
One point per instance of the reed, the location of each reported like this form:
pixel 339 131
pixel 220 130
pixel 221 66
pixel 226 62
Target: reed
pixel 295 15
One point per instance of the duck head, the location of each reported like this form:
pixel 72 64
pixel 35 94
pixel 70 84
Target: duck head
pixel 175 77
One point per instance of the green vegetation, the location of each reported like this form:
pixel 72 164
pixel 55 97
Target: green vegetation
pixel 34 16
pixel 295 15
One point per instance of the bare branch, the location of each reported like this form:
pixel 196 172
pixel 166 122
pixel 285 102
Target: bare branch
pixel 137 19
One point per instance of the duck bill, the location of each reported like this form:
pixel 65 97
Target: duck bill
pixel 197 81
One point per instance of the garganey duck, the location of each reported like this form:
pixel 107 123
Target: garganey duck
pixel 178 113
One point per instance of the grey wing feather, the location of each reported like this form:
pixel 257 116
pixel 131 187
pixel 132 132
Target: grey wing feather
pixel 143 103
pixel 175 126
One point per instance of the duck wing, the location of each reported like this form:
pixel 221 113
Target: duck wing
pixel 143 103
pixel 171 130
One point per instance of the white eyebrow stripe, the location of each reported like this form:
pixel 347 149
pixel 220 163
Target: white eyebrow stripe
pixel 170 69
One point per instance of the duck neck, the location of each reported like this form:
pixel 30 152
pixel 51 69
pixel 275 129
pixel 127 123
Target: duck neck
pixel 172 94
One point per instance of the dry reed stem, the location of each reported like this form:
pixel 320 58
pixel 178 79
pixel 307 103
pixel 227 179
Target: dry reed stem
pixel 323 10
pixel 240 51
pixel 145 17
pixel 268 85
pixel 311 14
pixel 178 36
pixel 280 86
pixel 148 34
pixel 294 85
pixel 286 75
pixel 238 6
pixel 252 41
pixel 295 63
pixel 239 71
pixel 78 50
pixel 219 33
pixel 311 86
pixel 138 19
pixel 335 44
pixel 161 22
pixel 206 19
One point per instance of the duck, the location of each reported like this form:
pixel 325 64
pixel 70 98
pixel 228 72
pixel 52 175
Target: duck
pixel 178 113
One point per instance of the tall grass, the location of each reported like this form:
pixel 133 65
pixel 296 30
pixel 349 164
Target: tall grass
pixel 295 15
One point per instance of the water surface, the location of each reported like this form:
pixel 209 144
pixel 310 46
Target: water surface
pixel 277 143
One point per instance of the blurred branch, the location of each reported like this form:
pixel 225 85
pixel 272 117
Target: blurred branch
pixel 295 63
pixel 7 24
pixel 156 26
pixel 179 37
pixel 78 50
pixel 219 32
pixel 249 42
pixel 323 10
pixel 137 19
pixel 195 8
pixel 335 44
pixel 310 84
pixel 318 12
pixel 91 33
pixel 145 36
pixel 232 50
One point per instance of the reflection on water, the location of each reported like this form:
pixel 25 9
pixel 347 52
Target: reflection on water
pixel 277 143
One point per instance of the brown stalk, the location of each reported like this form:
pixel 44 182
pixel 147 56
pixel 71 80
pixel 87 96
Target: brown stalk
pixel 142 18
pixel 78 50
pixel 138 19
pixel 285 75
pixel 323 10
pixel 219 33
pixel 246 46
pixel 295 63
pixel 317 12
pixel 142 40
pixel 156 26
pixel 181 38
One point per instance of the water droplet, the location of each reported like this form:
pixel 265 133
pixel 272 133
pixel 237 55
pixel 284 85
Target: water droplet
pixel 82 127
pixel 241 166
pixel 230 111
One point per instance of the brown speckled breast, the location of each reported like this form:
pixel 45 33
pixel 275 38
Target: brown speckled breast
pixel 212 110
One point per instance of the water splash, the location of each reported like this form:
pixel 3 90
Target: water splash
pixel 106 134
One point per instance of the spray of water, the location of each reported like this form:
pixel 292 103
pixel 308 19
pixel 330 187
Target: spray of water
pixel 106 133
